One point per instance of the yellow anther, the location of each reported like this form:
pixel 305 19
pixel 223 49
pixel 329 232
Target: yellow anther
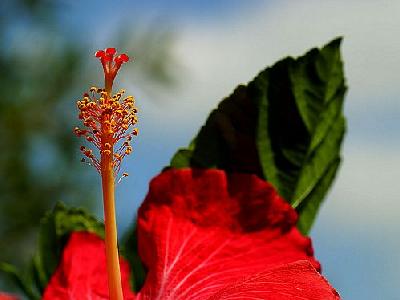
pixel 106 152
pixel 114 116
pixel 88 153
pixel 128 150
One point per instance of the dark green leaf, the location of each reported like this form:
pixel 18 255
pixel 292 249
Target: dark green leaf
pixel 22 281
pixel 285 126
pixel 227 140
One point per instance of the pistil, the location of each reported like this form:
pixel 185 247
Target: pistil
pixel 109 120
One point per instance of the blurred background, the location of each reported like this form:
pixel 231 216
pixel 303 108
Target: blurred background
pixel 188 56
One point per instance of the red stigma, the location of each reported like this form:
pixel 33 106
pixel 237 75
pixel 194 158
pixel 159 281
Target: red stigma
pixel 111 63
pixel 111 51
pixel 99 53
pixel 122 58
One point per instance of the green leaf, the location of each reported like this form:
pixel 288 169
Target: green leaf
pixel 22 281
pixel 286 126
pixel 309 208
pixel 54 232
pixel 227 140
pixel 55 229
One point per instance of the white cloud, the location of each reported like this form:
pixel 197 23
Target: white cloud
pixel 222 54
pixel 366 195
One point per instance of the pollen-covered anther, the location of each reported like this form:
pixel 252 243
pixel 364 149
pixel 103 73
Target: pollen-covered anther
pixel 79 132
pixel 88 153
pixel 129 98
pixel 128 150
pixel 108 120
pixel 106 152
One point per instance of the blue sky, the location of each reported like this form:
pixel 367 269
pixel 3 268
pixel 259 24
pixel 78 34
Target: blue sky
pixel 223 43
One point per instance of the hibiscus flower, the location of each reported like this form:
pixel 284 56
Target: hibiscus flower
pixel 203 234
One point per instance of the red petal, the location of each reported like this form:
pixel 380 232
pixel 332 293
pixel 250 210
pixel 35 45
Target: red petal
pixel 239 202
pixel 82 273
pixel 7 297
pixel 293 281
pixel 202 230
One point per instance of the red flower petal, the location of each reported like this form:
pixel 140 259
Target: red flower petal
pixel 238 202
pixel 203 235
pixel 200 231
pixel 7 297
pixel 82 273
pixel 287 282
